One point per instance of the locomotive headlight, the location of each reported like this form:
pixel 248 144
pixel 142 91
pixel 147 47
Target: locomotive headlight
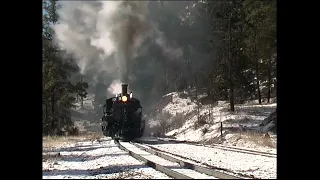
pixel 124 98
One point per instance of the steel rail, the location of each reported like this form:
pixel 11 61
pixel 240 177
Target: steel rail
pixel 188 165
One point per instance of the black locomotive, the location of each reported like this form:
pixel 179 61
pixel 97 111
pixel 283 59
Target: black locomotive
pixel 122 117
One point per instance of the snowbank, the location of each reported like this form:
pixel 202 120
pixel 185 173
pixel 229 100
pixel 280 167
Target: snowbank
pixel 242 163
pixel 240 128
pixel 96 160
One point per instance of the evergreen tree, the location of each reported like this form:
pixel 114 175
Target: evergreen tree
pixel 58 92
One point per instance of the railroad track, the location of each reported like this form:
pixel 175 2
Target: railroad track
pixel 223 147
pixel 174 167
pixel 199 162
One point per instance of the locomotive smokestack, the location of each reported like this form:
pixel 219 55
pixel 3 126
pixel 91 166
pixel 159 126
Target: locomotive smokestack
pixel 124 89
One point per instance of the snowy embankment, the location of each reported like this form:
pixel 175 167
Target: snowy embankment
pixel 248 164
pixel 179 116
pixel 94 160
pixel 240 128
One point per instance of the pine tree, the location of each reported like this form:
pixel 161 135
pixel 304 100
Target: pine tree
pixel 261 39
pixel 81 87
pixel 57 90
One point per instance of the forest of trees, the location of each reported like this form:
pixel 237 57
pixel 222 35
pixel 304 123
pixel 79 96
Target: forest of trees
pixel 59 93
pixel 229 49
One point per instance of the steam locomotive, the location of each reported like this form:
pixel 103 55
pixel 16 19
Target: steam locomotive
pixel 122 117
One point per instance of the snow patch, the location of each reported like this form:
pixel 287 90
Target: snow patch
pixel 96 160
pixel 246 117
pixel 248 164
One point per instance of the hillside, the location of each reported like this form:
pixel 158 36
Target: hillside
pixel 177 117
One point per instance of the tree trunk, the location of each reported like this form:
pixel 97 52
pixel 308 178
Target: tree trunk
pixel 198 115
pixel 53 119
pixel 46 113
pixel 81 96
pixel 81 102
pixel 195 83
pixel 226 94
pixel 167 77
pixel 189 71
pixel 52 103
pixel 269 82
pixel 210 108
pixel 231 93
pixel 231 97
pixel 210 85
pixel 257 73
pixel 258 83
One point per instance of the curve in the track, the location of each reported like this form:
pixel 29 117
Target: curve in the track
pixel 223 147
pixel 211 166
pixel 154 165
pixel 188 165
pixel 174 172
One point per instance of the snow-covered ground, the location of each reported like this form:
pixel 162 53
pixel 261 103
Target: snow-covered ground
pixel 103 159
pixel 240 128
pixel 95 160
pixel 242 163
pixel 167 164
pixel 246 116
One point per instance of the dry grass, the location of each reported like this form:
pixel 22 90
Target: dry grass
pixel 132 175
pixel 51 158
pixel 258 139
pixel 241 139
pixel 57 141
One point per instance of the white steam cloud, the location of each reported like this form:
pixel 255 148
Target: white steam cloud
pixel 93 31
pixel 107 35
pixel 115 87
